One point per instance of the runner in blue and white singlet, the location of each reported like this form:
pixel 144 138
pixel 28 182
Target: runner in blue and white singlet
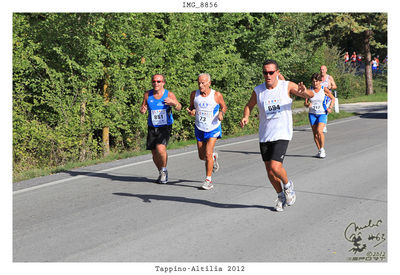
pixel 160 114
pixel 318 112
pixel 158 102
pixel 207 110
pixel 317 103
pixel 205 105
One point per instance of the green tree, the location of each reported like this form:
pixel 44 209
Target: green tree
pixel 366 31
pixel 79 78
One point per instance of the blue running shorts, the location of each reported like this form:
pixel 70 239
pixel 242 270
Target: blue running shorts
pixel 315 119
pixel 203 136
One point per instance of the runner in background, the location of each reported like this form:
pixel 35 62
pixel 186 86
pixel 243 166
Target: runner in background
pixel 318 113
pixel 346 61
pixel 328 82
pixel 354 60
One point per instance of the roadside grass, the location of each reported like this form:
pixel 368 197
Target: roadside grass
pixel 376 97
pixel 299 119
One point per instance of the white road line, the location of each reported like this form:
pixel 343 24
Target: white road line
pixel 138 163
pixel 116 168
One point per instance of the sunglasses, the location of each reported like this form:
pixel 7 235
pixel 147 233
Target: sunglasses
pixel 157 81
pixel 270 73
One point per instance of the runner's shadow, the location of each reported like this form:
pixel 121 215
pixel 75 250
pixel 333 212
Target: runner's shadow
pixel 109 176
pixel 149 198
pixel 129 178
pixel 178 183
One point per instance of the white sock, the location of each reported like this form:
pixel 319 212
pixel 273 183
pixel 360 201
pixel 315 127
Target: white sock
pixel 287 185
pixel 208 178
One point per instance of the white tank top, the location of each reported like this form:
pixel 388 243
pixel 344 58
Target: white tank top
pixel 317 101
pixel 275 108
pixel 207 111
pixel 325 82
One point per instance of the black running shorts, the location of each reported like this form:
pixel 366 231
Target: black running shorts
pixel 274 150
pixel 158 135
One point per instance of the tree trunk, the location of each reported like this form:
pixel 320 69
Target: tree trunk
pixel 82 156
pixel 368 69
pixel 106 129
pixel 106 140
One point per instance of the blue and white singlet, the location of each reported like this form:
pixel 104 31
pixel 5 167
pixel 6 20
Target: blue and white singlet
pixel 317 102
pixel 159 113
pixel 207 110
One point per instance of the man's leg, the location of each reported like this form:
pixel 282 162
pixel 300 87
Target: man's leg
pixel 315 136
pixel 201 149
pixel 160 160
pixel 320 134
pixel 160 156
pixel 276 174
pixel 209 155
pixel 321 139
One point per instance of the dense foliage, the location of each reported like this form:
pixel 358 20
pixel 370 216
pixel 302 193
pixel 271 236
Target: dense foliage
pixel 75 74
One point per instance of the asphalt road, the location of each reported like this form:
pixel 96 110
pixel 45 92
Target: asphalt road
pixel 116 213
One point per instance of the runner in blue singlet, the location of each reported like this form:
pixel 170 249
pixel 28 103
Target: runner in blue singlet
pixel 159 102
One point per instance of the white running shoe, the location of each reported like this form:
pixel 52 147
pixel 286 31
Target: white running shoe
pixel 216 164
pixel 207 185
pixel 163 177
pixel 322 153
pixel 325 130
pixel 280 202
pixel 290 195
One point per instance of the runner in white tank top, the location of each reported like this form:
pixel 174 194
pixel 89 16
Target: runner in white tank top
pixel 276 127
pixel 275 110
pixel 317 102
pixel 318 112
pixel 205 104
pixel 329 82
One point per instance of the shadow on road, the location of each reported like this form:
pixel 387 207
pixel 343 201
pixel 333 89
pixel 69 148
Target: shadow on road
pixel 130 178
pixel 374 115
pixel 111 177
pixel 149 198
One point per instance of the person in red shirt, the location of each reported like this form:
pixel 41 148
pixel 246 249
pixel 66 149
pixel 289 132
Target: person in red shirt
pixel 346 58
pixel 354 60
